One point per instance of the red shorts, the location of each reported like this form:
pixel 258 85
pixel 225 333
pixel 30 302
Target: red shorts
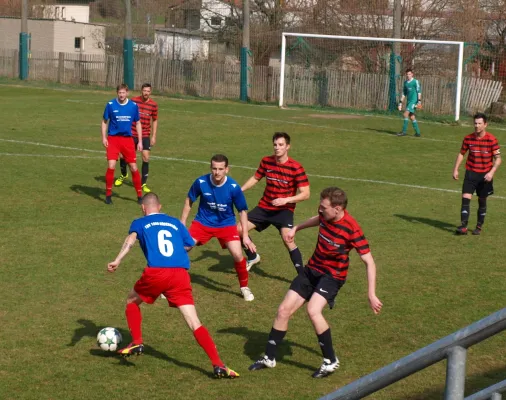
pixel 202 234
pixel 121 144
pixel 173 283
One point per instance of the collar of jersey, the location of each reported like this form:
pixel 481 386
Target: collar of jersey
pixel 214 184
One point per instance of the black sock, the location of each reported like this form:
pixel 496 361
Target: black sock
pixel 145 172
pixel 275 338
pixel 482 211
pixel 123 165
pixel 464 211
pixel 249 254
pixel 296 258
pixel 325 342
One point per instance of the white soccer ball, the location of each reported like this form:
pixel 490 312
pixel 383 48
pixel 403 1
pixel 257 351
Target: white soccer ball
pixel 108 339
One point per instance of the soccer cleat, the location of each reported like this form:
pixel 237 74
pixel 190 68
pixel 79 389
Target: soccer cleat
pixel 417 135
pixel 225 372
pixel 477 231
pixel 461 230
pixel 108 199
pixel 247 294
pixel 139 200
pixel 145 188
pixel 132 349
pixel 401 134
pixel 119 181
pixel 250 263
pixel 326 368
pixel 262 363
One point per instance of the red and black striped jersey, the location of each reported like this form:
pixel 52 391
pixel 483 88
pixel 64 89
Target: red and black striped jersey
pixel 335 241
pixel 481 152
pixel 281 180
pixel 147 110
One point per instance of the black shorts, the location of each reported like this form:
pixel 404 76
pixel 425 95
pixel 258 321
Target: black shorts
pixel 475 182
pixel 310 281
pixel 146 142
pixel 263 218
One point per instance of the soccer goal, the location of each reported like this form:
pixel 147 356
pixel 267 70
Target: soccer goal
pixel 366 73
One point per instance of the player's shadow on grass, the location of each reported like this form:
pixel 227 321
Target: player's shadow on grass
pixel 255 346
pixel 96 193
pixel 212 284
pixel 444 226
pixel 226 265
pixel 225 261
pixel 101 179
pixel 87 329
pixel 388 131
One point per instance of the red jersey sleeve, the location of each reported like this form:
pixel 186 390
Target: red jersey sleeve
pixel 358 241
pixel 301 179
pixel 464 147
pixel 260 172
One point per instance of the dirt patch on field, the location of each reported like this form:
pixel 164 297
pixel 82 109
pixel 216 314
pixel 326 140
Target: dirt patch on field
pixel 335 116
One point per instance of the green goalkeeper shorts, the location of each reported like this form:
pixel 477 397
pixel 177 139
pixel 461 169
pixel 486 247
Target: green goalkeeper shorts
pixel 411 107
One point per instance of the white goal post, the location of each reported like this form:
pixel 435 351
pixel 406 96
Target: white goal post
pixel 376 39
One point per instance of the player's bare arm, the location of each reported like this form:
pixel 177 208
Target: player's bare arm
pixel 138 128
pixel 186 210
pixel 309 223
pixel 103 129
pixel 250 183
pixel 304 193
pixel 497 161
pixel 243 218
pixel 370 265
pixel 127 245
pixel 458 161
pixel 154 129
pixel 400 102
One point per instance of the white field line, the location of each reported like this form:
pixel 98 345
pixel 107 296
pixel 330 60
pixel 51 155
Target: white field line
pixel 280 121
pixel 374 181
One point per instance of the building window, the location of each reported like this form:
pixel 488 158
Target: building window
pixel 56 12
pixel 79 43
pixel 216 21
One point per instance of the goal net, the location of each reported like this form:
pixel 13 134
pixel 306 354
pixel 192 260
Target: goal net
pixel 362 73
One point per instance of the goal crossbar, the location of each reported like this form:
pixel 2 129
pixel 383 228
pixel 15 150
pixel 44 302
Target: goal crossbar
pixel 377 39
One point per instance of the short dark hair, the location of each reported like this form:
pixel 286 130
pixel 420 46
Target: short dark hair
pixel 122 86
pixel 480 115
pixel 220 158
pixel 409 70
pixel 336 196
pixel 279 135
pixel 146 85
pixel 150 199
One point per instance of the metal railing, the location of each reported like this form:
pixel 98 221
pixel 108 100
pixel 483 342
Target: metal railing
pixel 453 347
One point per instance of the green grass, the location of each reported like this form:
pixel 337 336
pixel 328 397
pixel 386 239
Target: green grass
pixel 57 236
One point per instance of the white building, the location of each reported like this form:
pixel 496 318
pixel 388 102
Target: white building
pixel 62 12
pixel 181 44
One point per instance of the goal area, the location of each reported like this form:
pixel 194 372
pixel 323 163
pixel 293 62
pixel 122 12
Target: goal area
pixel 367 73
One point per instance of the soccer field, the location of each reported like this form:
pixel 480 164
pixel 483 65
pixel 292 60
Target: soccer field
pixel 58 235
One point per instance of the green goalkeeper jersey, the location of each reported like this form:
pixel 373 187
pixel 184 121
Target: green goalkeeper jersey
pixel 411 89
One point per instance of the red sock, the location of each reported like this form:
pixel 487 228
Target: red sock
pixel 205 341
pixel 134 320
pixel 136 180
pixel 109 179
pixel 242 272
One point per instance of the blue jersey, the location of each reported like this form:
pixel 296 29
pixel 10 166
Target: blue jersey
pixel 121 117
pixel 163 240
pixel 216 206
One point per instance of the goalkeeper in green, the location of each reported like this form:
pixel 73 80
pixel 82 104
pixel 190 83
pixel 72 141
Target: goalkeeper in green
pixel 412 91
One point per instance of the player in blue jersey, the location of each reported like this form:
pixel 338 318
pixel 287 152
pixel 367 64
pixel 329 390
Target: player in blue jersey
pixel 165 242
pixel 216 218
pixel 412 91
pixel 119 114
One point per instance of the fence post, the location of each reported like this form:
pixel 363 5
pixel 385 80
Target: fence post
pixel 61 67
pixel 270 74
pixel 212 80
pixel 455 373
pixel 15 63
